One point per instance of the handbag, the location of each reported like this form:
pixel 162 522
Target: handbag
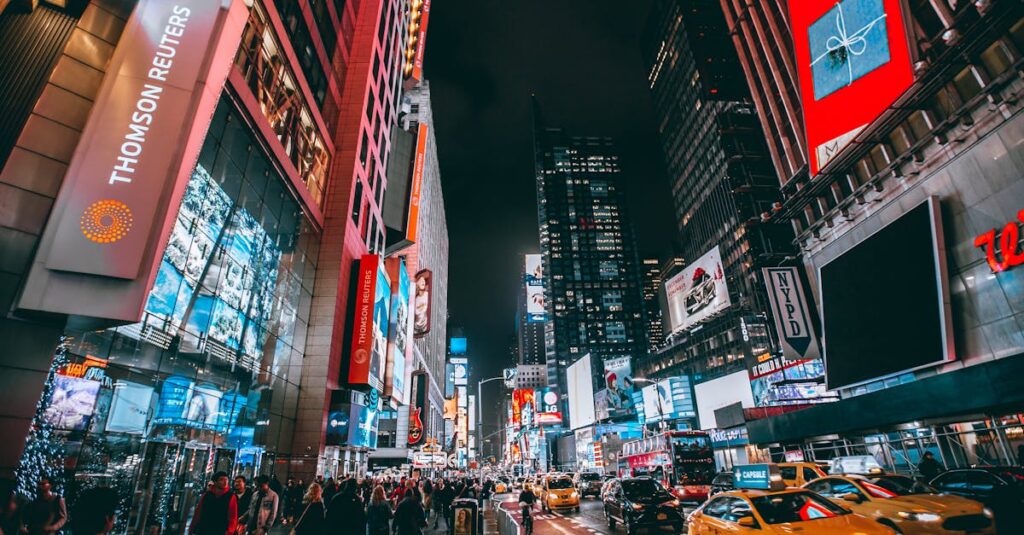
pixel 299 523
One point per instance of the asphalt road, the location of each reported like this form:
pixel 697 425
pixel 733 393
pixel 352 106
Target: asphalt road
pixel 589 520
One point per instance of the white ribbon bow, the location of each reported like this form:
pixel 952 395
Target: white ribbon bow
pixel 855 43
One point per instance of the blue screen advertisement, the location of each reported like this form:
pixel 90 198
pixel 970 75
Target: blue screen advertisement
pixel 202 406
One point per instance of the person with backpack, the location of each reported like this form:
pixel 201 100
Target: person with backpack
pixel 217 510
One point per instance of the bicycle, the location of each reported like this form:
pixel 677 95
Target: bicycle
pixel 527 517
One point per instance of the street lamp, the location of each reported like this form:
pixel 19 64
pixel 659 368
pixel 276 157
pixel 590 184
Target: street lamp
pixel 480 405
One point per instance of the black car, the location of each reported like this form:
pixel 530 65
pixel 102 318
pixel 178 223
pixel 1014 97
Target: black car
pixel 641 502
pixel 721 483
pixel 1001 488
pixel 588 483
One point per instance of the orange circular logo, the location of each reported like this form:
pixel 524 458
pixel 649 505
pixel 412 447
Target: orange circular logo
pixel 106 221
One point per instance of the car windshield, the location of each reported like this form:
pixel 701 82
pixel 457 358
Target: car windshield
pixel 642 488
pixel 590 477
pixel 795 507
pixel 560 483
pixel 901 485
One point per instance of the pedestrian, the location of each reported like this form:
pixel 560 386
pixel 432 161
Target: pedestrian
pixel 265 507
pixel 345 513
pixel 217 510
pixel 10 514
pixel 929 467
pixel 409 515
pixel 293 500
pixel 95 512
pixel 244 496
pixel 427 492
pixel 378 513
pixel 442 499
pixel 313 519
pixel 330 489
pixel 47 513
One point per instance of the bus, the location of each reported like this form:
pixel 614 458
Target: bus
pixel 682 460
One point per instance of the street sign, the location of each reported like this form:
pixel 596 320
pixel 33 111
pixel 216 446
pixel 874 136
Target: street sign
pixel 757 476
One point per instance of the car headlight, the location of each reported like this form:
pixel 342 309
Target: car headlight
pixel 638 507
pixel 919 517
pixel 574 494
pixel 987 512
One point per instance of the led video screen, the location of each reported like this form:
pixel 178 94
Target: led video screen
pixel 884 302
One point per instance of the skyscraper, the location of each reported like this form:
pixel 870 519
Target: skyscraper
pixel 592 285
pixel 722 180
pixel 530 315
pixel 651 283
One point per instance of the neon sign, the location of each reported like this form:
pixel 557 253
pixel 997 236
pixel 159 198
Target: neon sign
pixel 1009 245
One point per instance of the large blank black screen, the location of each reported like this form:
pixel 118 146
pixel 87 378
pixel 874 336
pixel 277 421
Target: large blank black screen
pixel 880 301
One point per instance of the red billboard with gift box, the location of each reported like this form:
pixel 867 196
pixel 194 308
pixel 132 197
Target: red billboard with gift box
pixel 853 61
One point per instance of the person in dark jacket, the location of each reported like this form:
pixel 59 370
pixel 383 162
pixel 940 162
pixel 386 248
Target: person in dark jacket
pixel 217 511
pixel 345 515
pixel 312 518
pixel 378 513
pixel 243 493
pixel 929 467
pixel 443 497
pixel 409 519
pixel 95 512
pixel 330 490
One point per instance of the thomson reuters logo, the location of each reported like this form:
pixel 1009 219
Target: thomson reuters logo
pixel 106 221
pixel 361 356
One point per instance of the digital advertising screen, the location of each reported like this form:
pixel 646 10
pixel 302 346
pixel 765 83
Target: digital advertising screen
pixel 853 61
pixel 368 356
pixel 698 292
pixel 71 403
pixel 534 281
pixel 461 370
pixel 458 345
pixel 615 398
pixel 719 393
pixel 396 373
pixel 129 408
pixel 885 302
pixel 581 393
pixel 422 303
pixel 548 410
pixel 524 404
pixel 449 380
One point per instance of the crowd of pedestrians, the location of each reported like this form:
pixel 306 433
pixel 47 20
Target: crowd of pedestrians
pixel 346 506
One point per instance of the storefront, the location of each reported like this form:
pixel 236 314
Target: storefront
pixel 208 380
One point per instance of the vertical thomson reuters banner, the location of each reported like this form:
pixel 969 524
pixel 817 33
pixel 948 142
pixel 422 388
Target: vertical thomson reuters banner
pixel 367 360
pixel 136 153
pixel 792 319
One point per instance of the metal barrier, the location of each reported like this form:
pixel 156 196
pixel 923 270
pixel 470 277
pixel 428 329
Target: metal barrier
pixel 507 525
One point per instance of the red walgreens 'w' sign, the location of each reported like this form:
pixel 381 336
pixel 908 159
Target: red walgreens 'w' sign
pixel 1009 246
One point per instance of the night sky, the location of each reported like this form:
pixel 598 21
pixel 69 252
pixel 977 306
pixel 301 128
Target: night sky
pixel 483 60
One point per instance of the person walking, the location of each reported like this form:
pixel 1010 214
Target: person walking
pixel 409 518
pixel 95 512
pixel 217 510
pixel 929 467
pixel 345 514
pixel 443 497
pixel 243 493
pixel 330 489
pixel 427 494
pixel 264 509
pixel 378 513
pixel 313 519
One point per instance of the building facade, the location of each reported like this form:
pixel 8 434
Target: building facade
pixel 591 281
pixel 530 315
pixel 939 163
pixel 652 284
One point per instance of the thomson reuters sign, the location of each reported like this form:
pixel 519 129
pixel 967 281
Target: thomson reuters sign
pixel 102 245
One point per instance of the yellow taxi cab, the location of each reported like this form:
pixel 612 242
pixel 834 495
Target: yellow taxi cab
pixel 559 494
pixel 500 487
pixel 798 473
pixel 905 504
pixel 761 504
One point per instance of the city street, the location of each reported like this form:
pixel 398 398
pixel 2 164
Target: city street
pixel 590 518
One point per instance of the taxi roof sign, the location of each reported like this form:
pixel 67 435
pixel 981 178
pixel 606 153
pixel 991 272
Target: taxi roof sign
pixel 757 476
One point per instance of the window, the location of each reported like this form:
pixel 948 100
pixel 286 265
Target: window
pixel 357 202
pixel 956 480
pixel 809 475
pixel 787 472
pixel 981 481
pixel 718 508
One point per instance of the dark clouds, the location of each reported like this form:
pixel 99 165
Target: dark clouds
pixel 483 59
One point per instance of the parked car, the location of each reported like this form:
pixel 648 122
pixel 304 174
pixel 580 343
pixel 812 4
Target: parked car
pixel 641 502
pixel 588 483
pixel 721 483
pixel 904 504
pixel 799 473
pixel 1001 488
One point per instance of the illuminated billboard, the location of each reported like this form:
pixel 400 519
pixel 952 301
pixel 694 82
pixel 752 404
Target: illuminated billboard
pixel 719 393
pixel 422 303
pixel 668 399
pixel 417 409
pixel 548 409
pixel 458 346
pixel 853 61
pixel 524 404
pixel 105 236
pixel 396 373
pixel 370 328
pixel 461 370
pixel 698 292
pixel 615 398
pixel 534 281
pixel 581 393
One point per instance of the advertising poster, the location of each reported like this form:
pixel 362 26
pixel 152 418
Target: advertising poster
pixel 698 292
pixel 422 303
pixel 372 318
pixel 399 333
pixel 853 62
pixel 458 345
pixel 203 406
pixel 657 401
pixel 417 409
pixel 548 411
pixel 71 402
pixel 461 370
pixel 535 289
pixel 364 433
pixel 451 407
pixel 523 406
pixel 721 392
pixel 449 380
pixel 338 424
pixel 129 408
pixel 581 393
pixel 615 399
